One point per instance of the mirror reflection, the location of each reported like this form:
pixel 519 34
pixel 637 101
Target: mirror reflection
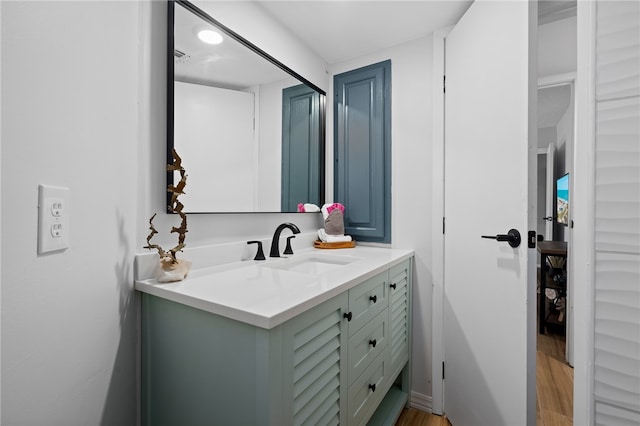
pixel 249 129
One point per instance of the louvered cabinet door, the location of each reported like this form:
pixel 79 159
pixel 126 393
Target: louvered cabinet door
pixel 399 314
pixel 314 363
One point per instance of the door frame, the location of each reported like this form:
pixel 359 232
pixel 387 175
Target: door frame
pixel 583 212
pixel 583 251
pixel 437 242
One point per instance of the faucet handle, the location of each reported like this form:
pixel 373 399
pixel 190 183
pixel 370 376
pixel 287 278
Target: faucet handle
pixel 260 253
pixel 287 249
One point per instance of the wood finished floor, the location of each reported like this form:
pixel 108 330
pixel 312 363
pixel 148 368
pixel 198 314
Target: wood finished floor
pixel 413 417
pixel 554 382
pixel 554 387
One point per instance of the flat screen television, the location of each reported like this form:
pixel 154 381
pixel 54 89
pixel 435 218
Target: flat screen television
pixel 562 200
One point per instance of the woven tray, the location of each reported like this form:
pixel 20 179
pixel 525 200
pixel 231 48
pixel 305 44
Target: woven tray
pixel 321 245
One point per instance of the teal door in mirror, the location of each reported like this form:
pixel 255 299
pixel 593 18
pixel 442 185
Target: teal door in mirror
pixel 301 150
pixel 246 150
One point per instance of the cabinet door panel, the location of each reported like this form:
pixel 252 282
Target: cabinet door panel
pixel 327 413
pixel 314 364
pixel 320 400
pixel 312 354
pixel 362 148
pixel 399 312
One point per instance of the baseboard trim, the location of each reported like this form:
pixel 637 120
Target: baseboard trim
pixel 421 402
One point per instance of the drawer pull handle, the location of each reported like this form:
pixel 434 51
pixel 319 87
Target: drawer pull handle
pixel 372 387
pixel 348 316
pixel 373 342
pixel 373 298
pixel 393 286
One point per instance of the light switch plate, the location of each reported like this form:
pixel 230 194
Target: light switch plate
pixel 53 218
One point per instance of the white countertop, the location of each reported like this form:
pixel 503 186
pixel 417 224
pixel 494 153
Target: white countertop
pixel 261 294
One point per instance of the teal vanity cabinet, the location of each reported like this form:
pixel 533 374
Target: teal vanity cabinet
pixel 201 368
pixel 344 361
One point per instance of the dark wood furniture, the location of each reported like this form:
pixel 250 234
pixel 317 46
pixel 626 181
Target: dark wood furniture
pixel 546 249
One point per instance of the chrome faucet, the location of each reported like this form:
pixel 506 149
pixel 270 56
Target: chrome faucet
pixel 275 242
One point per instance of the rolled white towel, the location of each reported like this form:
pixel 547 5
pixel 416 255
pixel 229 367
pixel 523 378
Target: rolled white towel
pixel 324 237
pixel 307 208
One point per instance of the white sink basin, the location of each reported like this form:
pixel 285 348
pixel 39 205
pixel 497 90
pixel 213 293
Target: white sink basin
pixel 312 263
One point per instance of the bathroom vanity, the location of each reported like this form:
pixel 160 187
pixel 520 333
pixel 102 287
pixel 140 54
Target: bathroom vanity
pixel 318 338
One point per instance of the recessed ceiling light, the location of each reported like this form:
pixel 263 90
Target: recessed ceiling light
pixel 210 37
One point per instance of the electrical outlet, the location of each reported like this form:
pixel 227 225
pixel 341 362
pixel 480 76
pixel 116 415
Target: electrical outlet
pixel 56 230
pixel 56 207
pixel 53 218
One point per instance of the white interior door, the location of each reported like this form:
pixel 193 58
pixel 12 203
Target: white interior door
pixel 489 310
pixel 549 201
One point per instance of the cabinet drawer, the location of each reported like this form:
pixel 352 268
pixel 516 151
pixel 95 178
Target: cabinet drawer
pixel 367 344
pixel 367 300
pixel 367 391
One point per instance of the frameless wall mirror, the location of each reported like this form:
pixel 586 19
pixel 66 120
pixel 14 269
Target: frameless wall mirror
pixel 249 129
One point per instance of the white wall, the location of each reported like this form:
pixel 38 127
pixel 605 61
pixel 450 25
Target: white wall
pixel 270 147
pixel 557 47
pixel 546 135
pixel 411 141
pixel 214 136
pixel 69 118
pixel 83 106
pixel 565 139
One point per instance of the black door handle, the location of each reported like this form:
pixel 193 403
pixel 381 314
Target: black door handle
pixel 513 237
pixel 549 218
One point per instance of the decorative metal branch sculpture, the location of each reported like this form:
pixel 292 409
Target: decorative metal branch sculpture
pixel 176 269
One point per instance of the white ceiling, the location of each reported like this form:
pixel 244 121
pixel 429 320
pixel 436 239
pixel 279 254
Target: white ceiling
pixel 554 10
pixel 552 104
pixel 337 30
pixel 340 30
pixel 227 65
